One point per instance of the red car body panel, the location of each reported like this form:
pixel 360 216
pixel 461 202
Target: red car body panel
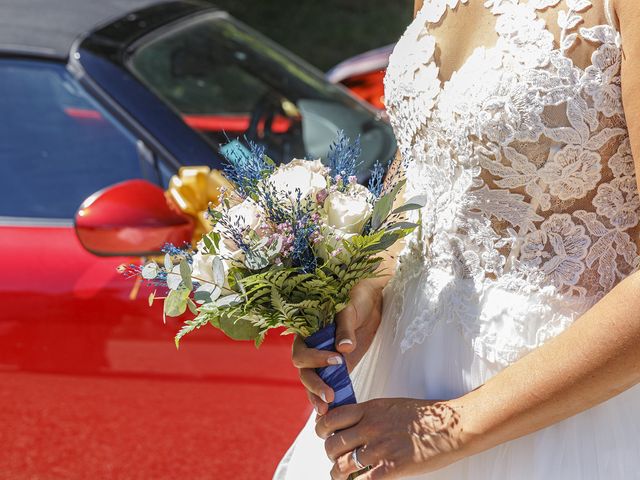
pixel 92 385
pixel 369 87
pixel 235 124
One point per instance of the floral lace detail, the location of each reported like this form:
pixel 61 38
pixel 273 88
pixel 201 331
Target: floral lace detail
pixel 533 208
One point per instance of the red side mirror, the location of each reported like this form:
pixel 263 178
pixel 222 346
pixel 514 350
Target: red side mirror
pixel 131 218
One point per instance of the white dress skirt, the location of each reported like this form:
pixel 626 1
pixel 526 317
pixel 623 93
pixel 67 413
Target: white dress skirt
pixel 602 443
pixel 532 216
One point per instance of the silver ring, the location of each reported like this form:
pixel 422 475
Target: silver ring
pixel 354 457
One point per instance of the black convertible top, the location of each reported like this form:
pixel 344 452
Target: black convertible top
pixel 49 27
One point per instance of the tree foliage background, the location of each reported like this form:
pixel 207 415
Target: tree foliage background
pixel 325 32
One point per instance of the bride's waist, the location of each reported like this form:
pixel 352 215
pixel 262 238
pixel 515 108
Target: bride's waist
pixel 448 291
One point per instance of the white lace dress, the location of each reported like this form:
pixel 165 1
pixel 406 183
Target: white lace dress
pixel 532 216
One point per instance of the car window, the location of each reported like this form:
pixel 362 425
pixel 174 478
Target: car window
pixel 174 67
pixel 228 81
pixel 214 85
pixel 57 145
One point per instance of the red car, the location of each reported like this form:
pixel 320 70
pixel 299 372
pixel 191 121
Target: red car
pixel 94 93
pixel 364 74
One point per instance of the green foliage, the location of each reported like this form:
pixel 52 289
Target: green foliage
pixel 189 326
pixel 185 273
pixel 176 302
pixel 211 242
pixel 298 302
pixel 266 296
pixel 383 206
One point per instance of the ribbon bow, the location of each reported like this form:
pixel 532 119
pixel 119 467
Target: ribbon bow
pixel 192 190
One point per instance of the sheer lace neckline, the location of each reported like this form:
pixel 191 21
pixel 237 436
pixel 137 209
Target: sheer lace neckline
pixel 433 11
pixel 525 160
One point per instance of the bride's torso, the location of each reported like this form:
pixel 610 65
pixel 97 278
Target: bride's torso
pixel 509 119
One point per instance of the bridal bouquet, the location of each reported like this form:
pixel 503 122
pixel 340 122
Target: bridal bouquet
pixel 287 244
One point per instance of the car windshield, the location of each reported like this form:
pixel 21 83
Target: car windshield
pixel 228 81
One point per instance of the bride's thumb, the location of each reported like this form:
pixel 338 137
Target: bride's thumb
pixel 345 330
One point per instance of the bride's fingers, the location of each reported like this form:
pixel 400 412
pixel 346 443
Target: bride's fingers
pixel 343 442
pixel 346 324
pixel 305 357
pixel 315 385
pixel 339 418
pixel 320 407
pixel 345 465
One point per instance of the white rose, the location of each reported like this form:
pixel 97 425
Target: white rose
pixel 348 212
pixel 307 176
pixel 202 269
pixel 210 271
pixel 247 214
pixel 316 166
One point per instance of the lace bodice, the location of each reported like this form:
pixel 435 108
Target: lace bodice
pixel 524 157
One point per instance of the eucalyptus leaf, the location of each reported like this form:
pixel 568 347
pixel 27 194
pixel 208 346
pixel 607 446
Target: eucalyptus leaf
pixel 176 302
pixel 413 203
pixel 208 243
pixel 238 328
pixel 219 275
pixel 202 296
pixel 174 278
pixel 185 274
pixel 193 308
pixel 212 291
pixel 150 271
pixel 229 300
pixel 383 206
pixel 402 225
pixel 387 240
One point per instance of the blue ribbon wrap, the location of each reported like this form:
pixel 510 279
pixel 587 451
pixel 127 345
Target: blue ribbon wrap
pixel 336 376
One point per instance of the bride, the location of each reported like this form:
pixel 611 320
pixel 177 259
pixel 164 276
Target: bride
pixel 506 345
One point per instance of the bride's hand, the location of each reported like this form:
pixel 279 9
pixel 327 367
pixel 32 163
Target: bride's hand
pixel 356 326
pixel 397 437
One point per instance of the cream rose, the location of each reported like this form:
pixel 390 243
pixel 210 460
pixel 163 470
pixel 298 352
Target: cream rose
pixel 349 211
pixel 211 272
pixel 307 176
pixel 247 214
pixel 316 166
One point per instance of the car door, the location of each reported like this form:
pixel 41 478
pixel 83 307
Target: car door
pixel 85 365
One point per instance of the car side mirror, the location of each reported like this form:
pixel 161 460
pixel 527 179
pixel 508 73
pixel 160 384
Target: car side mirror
pixel 131 218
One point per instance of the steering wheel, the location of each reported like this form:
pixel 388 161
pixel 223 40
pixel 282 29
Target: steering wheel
pixel 265 109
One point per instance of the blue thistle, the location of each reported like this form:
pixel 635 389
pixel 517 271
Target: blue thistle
pixel 174 251
pixel 246 166
pixel 280 209
pixel 376 181
pixel 343 156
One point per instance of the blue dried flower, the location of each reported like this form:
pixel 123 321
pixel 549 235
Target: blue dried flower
pixel 246 167
pixel 343 156
pixel 280 209
pixel 376 181
pixel 174 251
